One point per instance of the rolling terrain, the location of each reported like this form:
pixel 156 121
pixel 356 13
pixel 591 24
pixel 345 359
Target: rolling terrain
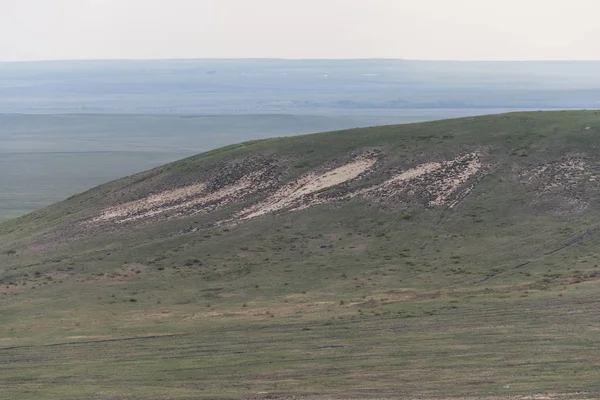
pixel 454 259
pixel 47 158
pixel 67 126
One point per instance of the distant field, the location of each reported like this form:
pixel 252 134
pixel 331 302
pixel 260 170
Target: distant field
pixel 47 158
pixel 33 180
pixel 308 87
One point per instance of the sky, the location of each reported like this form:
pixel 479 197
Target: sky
pixel 331 29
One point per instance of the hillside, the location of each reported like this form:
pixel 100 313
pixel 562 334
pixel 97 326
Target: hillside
pixel 446 259
pixel 46 158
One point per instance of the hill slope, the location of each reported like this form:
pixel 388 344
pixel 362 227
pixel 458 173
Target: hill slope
pixel 454 258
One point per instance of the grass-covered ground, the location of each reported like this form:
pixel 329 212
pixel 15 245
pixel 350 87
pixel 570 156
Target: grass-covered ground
pixel 494 298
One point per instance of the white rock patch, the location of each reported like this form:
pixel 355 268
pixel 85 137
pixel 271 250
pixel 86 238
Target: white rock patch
pixel 438 183
pixel 293 196
pixel 439 180
pixel 155 201
pixel 188 200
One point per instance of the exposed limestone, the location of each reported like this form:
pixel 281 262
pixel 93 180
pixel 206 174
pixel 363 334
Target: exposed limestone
pixel 297 195
pixel 151 204
pixel 226 187
pixel 562 186
pixel 564 174
pixel 438 184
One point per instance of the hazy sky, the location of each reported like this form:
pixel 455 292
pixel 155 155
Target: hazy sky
pixel 412 29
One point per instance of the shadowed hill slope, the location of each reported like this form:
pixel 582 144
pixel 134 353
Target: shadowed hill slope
pixel 454 258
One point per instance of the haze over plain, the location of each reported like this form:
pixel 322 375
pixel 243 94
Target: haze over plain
pixel 325 29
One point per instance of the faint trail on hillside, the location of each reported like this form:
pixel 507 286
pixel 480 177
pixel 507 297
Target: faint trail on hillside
pixel 446 211
pixel 587 234
pixel 129 339
pixel 577 239
pixel 445 215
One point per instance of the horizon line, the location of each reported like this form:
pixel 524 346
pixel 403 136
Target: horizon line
pixel 289 59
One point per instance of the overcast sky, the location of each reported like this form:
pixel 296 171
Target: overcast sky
pixel 411 29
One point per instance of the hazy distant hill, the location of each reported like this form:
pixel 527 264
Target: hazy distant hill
pixel 292 86
pixel 454 259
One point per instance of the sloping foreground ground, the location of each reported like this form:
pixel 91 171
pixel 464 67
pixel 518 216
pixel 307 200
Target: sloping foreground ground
pixel 448 260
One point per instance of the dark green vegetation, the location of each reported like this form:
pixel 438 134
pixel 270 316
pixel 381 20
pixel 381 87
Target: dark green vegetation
pixel 365 297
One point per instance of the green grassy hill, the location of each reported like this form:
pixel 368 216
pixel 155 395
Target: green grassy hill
pixel 447 259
